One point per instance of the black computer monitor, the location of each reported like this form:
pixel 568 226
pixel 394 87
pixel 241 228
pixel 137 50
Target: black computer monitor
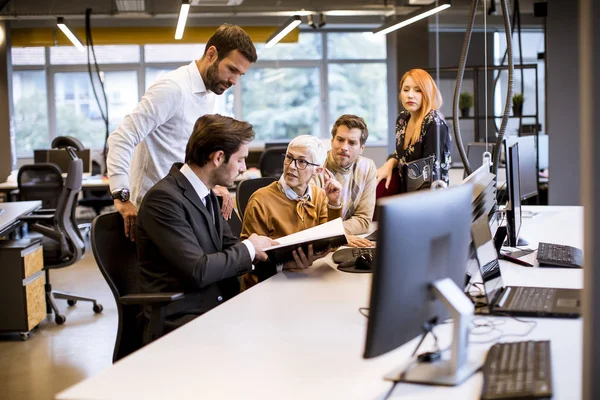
pixel 513 207
pixel 527 164
pixel 410 268
pixel 61 158
pixel 280 143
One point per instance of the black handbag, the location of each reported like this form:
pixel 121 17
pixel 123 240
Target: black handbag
pixel 418 174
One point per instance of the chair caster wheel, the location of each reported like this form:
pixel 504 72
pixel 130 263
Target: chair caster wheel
pixel 60 319
pixel 98 308
pixel 24 335
pixel 71 303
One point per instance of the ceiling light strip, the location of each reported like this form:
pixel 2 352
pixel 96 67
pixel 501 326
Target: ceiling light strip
pixel 286 28
pixel 60 22
pixel 385 29
pixel 183 14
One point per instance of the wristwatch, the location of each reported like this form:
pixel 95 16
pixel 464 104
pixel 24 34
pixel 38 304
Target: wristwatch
pixel 121 194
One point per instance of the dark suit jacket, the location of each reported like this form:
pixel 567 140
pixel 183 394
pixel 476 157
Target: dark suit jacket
pixel 180 249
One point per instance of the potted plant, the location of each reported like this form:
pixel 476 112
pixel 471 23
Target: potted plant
pixel 465 102
pixel 517 104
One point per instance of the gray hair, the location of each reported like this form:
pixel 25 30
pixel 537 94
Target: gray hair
pixel 313 145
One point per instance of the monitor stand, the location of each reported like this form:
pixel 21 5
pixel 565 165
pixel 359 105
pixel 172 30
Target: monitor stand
pixel 446 372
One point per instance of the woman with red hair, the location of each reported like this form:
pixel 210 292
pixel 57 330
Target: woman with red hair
pixel 421 130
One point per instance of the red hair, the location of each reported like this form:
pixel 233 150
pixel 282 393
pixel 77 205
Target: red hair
pixel 432 99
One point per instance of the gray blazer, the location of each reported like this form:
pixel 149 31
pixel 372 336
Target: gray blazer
pixel 180 249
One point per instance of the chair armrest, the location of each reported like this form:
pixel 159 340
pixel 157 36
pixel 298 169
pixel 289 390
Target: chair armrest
pixel 36 217
pixel 150 298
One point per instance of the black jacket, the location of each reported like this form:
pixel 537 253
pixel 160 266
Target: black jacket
pixel 180 249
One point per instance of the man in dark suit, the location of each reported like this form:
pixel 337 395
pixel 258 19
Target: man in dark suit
pixel 183 242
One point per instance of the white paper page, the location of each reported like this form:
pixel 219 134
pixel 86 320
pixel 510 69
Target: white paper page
pixel 328 229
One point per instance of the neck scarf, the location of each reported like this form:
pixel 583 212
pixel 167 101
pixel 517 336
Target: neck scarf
pixel 304 206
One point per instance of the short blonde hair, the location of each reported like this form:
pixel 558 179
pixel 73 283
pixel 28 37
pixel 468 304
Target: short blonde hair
pixel 313 145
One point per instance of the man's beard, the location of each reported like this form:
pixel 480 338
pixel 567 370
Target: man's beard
pixel 221 176
pixel 212 78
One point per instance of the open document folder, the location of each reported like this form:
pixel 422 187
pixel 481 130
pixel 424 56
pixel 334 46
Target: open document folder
pixel 328 235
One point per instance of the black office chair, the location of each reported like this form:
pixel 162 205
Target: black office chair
pixel 40 182
pixel 116 257
pixel 96 199
pixel 247 187
pixel 62 242
pixel 271 163
pixel 235 223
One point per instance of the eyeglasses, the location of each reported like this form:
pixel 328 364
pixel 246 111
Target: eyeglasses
pixel 301 164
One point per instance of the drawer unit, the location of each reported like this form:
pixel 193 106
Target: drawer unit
pixel 22 296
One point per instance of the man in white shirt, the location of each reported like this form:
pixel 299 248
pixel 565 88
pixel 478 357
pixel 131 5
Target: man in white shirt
pixel 154 135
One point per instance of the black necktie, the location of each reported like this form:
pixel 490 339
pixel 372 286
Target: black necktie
pixel 209 207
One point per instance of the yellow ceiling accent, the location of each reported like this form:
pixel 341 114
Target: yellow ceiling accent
pixel 29 37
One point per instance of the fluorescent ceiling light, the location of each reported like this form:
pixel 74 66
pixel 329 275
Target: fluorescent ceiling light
pixel 283 30
pixel 60 21
pixel 357 13
pixel 183 13
pixel 412 17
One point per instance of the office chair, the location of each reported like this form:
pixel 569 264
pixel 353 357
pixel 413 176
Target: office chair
pixel 247 187
pixel 62 242
pixel 40 182
pixel 235 224
pixel 116 257
pixel 96 199
pixel 271 163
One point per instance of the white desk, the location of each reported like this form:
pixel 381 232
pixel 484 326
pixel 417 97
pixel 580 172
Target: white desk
pixel 14 210
pixel 299 335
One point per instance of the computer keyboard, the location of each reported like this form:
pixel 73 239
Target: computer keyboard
pixel 348 254
pixel 557 255
pixel 518 370
pixel 532 299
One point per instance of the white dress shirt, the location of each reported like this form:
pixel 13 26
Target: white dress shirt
pixel 203 191
pixel 154 135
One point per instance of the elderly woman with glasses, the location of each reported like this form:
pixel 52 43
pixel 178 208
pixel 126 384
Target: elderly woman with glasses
pixel 293 203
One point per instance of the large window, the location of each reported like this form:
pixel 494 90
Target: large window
pixel 77 112
pixel 30 111
pixel 293 88
pixel 360 89
pixel 282 103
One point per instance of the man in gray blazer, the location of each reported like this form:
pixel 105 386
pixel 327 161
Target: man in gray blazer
pixel 184 244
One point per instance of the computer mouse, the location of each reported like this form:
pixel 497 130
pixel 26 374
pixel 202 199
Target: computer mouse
pixel 364 261
pixel 361 264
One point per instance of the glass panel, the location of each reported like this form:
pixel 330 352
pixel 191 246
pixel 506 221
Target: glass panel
pixel 28 56
pixel 30 112
pixel 77 113
pixel 308 47
pixel 173 52
pixel 223 103
pixel 282 103
pixel 346 46
pixel 360 89
pixel 120 54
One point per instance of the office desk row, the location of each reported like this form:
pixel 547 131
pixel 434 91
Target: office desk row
pixel 300 335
